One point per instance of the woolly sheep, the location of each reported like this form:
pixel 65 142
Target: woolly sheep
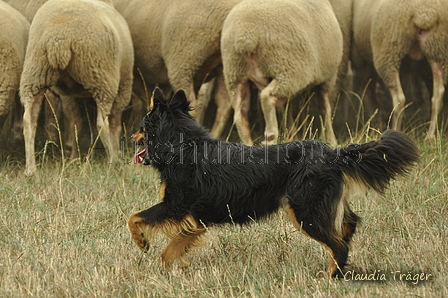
pixel 28 8
pixel 13 39
pixel 78 48
pixel 176 42
pixel 216 87
pixel 386 31
pixel 285 47
pixel 343 9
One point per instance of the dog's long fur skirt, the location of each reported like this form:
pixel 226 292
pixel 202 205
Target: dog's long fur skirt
pixel 207 182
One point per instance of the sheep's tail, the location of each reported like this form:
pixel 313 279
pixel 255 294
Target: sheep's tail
pixel 375 163
pixel 58 52
pixel 245 42
pixel 425 18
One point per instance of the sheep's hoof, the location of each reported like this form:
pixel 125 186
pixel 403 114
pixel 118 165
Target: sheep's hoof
pixel 30 171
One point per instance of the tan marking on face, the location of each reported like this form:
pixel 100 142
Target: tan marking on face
pixel 138 136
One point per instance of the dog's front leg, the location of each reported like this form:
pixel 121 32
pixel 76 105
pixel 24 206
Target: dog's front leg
pixel 185 234
pixel 145 223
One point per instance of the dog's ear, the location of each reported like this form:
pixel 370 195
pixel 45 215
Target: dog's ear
pixel 157 96
pixel 179 101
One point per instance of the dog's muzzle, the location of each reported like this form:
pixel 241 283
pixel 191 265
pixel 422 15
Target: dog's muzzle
pixel 142 158
pixel 138 138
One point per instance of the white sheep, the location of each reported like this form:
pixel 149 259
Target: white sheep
pixel 27 8
pixel 176 42
pixel 13 40
pixel 216 88
pixel 78 48
pixel 284 47
pixel 343 9
pixel 386 32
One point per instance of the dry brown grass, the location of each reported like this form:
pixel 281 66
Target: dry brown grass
pixel 64 234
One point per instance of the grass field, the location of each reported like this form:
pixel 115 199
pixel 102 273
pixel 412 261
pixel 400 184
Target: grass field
pixel 64 233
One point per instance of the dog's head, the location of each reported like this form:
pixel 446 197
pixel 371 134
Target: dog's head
pixel 139 139
pixel 161 114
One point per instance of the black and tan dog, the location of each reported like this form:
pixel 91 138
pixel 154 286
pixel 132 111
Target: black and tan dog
pixel 209 182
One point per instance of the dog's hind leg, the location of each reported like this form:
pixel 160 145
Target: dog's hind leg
pixel 350 222
pixel 311 225
pixel 180 245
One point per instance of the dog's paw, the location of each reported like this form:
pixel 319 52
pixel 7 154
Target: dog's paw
pixel 137 227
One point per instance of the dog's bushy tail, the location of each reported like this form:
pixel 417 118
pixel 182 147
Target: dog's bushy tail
pixel 375 163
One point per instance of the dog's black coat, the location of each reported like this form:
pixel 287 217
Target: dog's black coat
pixel 217 182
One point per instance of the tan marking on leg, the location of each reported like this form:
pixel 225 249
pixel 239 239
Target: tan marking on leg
pixel 142 232
pixel 346 229
pixel 339 217
pixel 177 248
pixel 185 236
pixel 333 265
pixel 139 230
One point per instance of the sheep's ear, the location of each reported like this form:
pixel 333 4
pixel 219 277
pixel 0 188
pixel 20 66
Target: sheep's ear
pixel 157 95
pixel 179 101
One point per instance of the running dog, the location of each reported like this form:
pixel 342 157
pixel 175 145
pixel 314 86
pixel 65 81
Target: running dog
pixel 206 182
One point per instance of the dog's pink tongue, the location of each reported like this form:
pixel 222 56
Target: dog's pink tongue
pixel 140 156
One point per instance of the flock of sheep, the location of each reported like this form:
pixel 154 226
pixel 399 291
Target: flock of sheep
pixel 106 49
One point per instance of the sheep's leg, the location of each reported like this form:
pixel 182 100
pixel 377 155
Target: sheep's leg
pixel 191 96
pixel 203 99
pixel 364 84
pixel 51 113
pixel 268 104
pixel 30 117
pixel 115 129
pixel 437 96
pixel 102 122
pixel 325 113
pixel 138 107
pixel 398 100
pixel 241 112
pixel 73 125
pixel 223 107
pixel 17 126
